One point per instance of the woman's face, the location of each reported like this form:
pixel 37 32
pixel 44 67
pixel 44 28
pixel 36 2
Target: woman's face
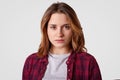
pixel 59 31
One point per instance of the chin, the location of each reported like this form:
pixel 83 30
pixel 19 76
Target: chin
pixel 59 46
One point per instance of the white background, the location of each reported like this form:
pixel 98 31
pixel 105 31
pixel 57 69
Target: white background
pixel 20 33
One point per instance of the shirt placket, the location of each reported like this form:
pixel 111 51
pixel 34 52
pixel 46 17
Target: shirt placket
pixel 43 68
pixel 69 69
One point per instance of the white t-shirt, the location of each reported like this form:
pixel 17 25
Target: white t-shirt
pixel 57 67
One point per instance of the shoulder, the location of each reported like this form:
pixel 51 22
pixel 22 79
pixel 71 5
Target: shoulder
pixel 87 59
pixel 85 55
pixel 33 55
pixel 32 58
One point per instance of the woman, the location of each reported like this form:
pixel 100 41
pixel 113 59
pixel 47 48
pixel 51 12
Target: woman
pixel 62 54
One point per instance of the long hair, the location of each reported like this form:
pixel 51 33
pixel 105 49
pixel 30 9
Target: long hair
pixel 77 42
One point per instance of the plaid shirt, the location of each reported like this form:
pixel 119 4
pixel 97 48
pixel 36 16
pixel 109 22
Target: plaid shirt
pixel 80 66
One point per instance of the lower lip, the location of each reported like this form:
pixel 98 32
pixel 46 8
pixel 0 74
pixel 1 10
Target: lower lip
pixel 59 41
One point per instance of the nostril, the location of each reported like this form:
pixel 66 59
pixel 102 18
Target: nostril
pixel 61 35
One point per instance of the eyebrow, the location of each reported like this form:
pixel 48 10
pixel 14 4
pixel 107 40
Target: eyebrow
pixel 66 25
pixel 52 24
pixel 62 25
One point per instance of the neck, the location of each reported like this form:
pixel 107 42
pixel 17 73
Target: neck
pixel 60 50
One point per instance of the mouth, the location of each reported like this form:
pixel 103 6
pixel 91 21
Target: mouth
pixel 59 40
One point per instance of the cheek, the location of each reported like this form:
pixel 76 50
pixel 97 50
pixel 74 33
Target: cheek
pixel 69 34
pixel 70 37
pixel 50 34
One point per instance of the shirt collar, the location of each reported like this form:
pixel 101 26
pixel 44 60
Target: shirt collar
pixel 71 58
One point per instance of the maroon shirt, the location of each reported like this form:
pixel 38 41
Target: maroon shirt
pixel 80 66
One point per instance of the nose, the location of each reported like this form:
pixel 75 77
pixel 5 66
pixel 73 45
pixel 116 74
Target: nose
pixel 60 32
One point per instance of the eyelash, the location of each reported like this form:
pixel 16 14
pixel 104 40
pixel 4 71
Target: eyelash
pixel 65 26
pixel 52 27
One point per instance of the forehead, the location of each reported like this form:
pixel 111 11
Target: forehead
pixel 58 18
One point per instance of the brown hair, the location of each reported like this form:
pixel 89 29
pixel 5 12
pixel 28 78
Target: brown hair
pixel 78 42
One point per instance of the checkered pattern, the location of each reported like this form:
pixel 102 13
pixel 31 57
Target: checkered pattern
pixel 80 66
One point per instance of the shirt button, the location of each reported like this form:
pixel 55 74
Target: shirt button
pixel 68 70
pixel 69 79
pixel 67 62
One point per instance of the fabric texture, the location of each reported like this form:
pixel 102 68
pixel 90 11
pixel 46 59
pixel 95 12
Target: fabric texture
pixel 80 66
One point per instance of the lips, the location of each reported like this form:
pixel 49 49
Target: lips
pixel 59 40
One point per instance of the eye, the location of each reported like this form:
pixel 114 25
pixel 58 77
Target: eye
pixel 53 27
pixel 67 26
